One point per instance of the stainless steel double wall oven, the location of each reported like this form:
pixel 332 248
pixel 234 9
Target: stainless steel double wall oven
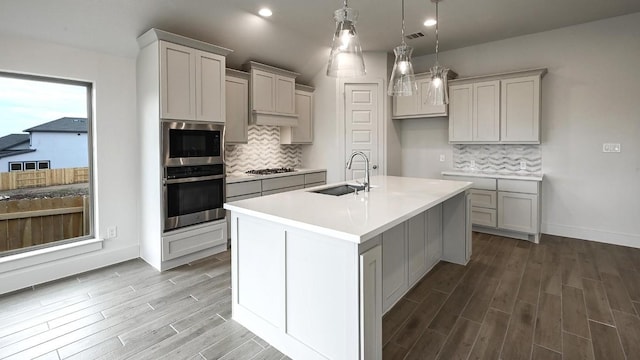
pixel 194 173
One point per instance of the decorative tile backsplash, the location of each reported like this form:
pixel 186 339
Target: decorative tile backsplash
pixel 263 150
pixel 498 158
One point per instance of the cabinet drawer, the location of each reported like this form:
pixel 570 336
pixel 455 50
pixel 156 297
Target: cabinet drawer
pixel 281 190
pixel 282 182
pixel 315 184
pixel 484 217
pixel 483 198
pixel 478 182
pixel 185 242
pixel 243 188
pixel 521 186
pixel 315 177
pixel 242 197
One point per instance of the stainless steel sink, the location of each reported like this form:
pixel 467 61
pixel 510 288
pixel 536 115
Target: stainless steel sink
pixel 336 190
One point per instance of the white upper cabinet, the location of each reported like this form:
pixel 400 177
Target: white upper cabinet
pixel 236 107
pixel 303 133
pixel 520 119
pixel 503 108
pixel 272 95
pixel 416 105
pixel 191 83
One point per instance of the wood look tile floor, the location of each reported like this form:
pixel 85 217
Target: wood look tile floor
pixel 564 298
pixel 561 299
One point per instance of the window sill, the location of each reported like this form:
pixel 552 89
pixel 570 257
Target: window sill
pixel 42 256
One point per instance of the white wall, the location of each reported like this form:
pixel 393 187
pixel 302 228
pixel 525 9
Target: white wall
pixel 63 150
pixel 328 142
pixel 590 96
pixel 116 168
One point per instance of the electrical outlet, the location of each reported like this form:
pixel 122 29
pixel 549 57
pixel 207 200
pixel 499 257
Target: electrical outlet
pixel 112 232
pixel 473 164
pixel 523 165
pixel 611 148
pixel 441 157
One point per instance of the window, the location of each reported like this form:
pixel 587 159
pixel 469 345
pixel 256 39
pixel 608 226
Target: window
pixel 45 146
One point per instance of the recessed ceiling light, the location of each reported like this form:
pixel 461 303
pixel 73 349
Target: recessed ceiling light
pixel 430 22
pixel 265 12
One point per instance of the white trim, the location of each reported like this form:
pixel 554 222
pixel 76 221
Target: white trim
pixel 603 236
pixel 41 256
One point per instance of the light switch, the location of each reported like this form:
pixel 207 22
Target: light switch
pixel 611 147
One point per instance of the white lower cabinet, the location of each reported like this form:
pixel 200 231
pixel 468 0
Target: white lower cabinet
pixel 434 236
pixel 394 265
pixel 519 212
pixel 371 304
pixel 417 247
pixel 193 239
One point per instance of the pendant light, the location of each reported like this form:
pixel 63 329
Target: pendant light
pixel 402 82
pixel 437 93
pixel 346 54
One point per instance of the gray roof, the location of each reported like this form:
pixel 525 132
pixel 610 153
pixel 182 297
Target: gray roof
pixel 7 153
pixel 12 140
pixel 65 124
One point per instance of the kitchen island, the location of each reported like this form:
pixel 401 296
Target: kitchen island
pixel 312 274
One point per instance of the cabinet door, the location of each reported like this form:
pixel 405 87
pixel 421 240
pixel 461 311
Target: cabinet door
pixel 394 265
pixel 434 235
pixel 417 246
pixel 237 110
pixel 486 111
pixel 460 113
pixel 210 87
pixel 424 107
pixel 303 133
pixel 371 304
pixel 520 111
pixel 518 212
pixel 177 82
pixel 405 105
pixel 263 85
pixel 285 95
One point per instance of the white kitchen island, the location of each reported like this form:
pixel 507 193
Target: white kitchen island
pixel 312 274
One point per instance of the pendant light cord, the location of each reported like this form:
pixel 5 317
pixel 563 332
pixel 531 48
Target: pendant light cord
pixel 437 22
pixel 403 43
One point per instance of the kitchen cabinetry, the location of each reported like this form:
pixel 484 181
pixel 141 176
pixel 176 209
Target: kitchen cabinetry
pixel 370 303
pixel 502 108
pixel 236 107
pixel 505 206
pixel 191 83
pixel 303 132
pixel 176 78
pixel 272 95
pixel 409 251
pixel 416 105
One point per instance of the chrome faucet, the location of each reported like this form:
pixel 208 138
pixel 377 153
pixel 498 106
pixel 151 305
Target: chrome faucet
pixel 367 182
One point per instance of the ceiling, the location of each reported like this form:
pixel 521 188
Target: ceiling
pixel 297 37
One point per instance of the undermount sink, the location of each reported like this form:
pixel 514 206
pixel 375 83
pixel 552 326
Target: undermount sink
pixel 336 190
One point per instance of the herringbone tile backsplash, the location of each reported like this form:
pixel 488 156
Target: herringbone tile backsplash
pixel 498 158
pixel 263 150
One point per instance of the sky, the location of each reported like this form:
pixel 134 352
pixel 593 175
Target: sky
pixel 27 103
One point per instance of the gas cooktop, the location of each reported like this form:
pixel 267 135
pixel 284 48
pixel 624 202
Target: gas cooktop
pixel 270 171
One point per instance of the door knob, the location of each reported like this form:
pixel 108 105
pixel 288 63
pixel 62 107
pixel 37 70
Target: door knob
pixel 375 167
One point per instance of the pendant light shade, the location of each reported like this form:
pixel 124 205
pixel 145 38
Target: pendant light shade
pixel 437 93
pixel 402 81
pixel 346 54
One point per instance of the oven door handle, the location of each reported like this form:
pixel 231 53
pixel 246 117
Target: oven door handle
pixel 192 179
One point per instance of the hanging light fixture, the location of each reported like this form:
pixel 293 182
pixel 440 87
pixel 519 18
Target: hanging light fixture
pixel 402 82
pixel 346 54
pixel 437 93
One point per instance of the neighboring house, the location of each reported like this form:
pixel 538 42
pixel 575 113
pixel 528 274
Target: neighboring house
pixel 57 144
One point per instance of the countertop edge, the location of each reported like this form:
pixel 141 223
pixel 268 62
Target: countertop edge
pixel 230 179
pixel 494 175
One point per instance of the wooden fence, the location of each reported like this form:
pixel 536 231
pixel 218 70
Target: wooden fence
pixel 41 178
pixel 25 223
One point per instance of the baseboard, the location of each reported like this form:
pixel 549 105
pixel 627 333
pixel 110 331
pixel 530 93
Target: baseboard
pixel 607 237
pixel 54 270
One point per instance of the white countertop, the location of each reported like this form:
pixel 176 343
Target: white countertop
pixel 486 174
pixel 357 218
pixel 240 177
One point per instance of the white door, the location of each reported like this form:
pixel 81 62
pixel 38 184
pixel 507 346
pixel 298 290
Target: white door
pixel 362 119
